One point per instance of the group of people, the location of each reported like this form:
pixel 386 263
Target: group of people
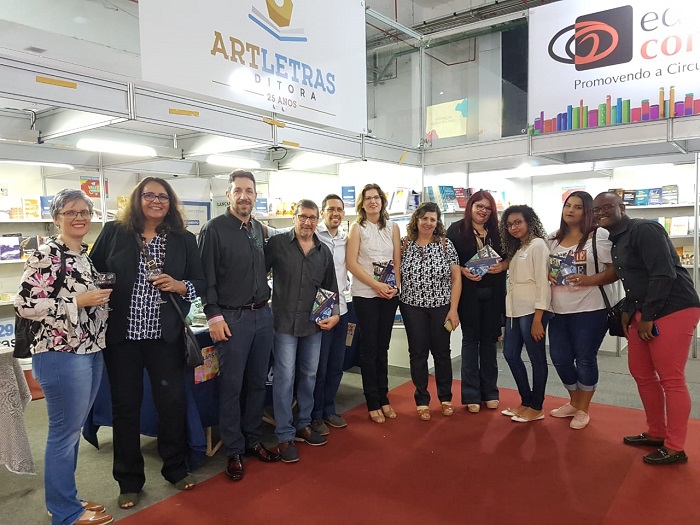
pixel 129 326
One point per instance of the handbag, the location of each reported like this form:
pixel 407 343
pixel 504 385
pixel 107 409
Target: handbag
pixel 614 312
pixel 24 328
pixel 193 352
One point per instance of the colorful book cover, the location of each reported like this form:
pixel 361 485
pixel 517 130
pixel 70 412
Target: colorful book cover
pixel 348 195
pixel 669 194
pixel 641 197
pixel 323 305
pixel 628 197
pixel 210 368
pixel 27 246
pixel 384 272
pixel 561 266
pixel 618 191
pixel 655 196
pixel 31 208
pixel 261 209
pixel 45 202
pixel 10 248
pixel 461 195
pixel 482 260
pixel 449 197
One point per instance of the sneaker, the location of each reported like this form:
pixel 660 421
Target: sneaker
pixel 336 421
pixel 288 452
pixel 580 420
pixel 318 426
pixel 311 437
pixel 564 411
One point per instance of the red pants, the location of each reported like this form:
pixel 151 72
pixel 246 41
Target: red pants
pixel 658 367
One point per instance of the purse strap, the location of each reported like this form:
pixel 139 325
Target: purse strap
pixel 595 262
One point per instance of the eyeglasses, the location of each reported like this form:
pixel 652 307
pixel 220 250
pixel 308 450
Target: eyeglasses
pixel 72 214
pixel 373 198
pixel 515 224
pixel 603 208
pixel 481 207
pixel 307 218
pixel 160 197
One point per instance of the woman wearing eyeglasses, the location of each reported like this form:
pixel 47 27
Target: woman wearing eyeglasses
pixel 482 303
pixel 373 241
pixel 528 305
pixel 578 328
pixel 58 292
pixel 152 254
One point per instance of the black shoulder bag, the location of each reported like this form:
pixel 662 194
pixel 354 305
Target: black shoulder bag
pixel 614 312
pixel 27 329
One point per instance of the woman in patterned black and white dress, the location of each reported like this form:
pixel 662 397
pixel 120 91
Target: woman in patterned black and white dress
pixel 431 285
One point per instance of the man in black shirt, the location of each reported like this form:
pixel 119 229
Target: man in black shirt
pixel 301 264
pixel 660 312
pixel 240 321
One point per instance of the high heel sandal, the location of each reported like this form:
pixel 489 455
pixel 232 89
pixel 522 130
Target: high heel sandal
pixel 376 416
pixel 423 412
pixel 388 411
pixel 447 408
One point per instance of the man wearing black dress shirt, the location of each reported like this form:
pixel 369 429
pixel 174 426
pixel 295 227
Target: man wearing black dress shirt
pixel 240 321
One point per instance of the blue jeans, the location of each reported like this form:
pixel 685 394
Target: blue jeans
pixel 70 382
pixel 330 369
pixel 479 371
pixel 574 340
pixel 517 335
pixel 294 357
pixel 244 361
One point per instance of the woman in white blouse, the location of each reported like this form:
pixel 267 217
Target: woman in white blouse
pixel 431 286
pixel 527 307
pixel 580 323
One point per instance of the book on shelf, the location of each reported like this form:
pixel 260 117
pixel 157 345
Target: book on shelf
pixel 347 193
pixel 617 191
pixel 655 196
pixel 28 245
pixel 413 202
pixel 398 203
pixel 384 272
pixel 10 247
pixel 688 255
pixel 628 197
pixel 324 302
pixel 449 198
pixel 666 223
pixel 261 209
pixel 45 203
pixel 679 226
pixel 669 194
pixel 11 208
pixel 461 194
pixel 481 261
pixel 641 197
pixel 31 208
pixel 561 266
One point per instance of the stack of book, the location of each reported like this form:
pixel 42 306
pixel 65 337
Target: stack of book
pixel 482 260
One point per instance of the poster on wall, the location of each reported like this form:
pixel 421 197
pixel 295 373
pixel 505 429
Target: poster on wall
pixel 302 58
pixel 197 213
pixel 447 119
pixel 91 186
pixel 598 63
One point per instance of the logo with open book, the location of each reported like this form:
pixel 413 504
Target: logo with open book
pixel 277 21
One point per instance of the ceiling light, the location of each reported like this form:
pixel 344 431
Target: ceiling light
pixel 233 162
pixel 36 163
pixel 307 161
pixel 118 148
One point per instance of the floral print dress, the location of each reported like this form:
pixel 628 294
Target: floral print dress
pixel 62 326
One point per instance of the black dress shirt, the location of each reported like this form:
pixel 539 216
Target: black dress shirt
pixel 645 260
pixel 234 263
pixel 296 278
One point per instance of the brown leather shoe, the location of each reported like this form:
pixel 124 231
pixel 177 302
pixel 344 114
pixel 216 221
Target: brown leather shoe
pixel 94 518
pixel 234 468
pixel 263 454
pixel 94 507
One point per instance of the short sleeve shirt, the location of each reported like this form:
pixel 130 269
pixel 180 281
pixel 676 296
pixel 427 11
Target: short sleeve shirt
pixel 426 276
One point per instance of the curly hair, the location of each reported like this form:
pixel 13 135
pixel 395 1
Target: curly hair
pixel 412 228
pixel 534 229
pixel 587 223
pixel 362 214
pixel 132 218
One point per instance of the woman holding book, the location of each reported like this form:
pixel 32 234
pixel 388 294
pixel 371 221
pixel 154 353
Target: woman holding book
pixel 527 307
pixel 482 302
pixel 578 328
pixel 373 242
pixel 430 289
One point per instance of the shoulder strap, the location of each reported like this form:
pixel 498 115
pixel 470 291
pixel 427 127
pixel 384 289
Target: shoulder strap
pixel 595 262
pixel 404 244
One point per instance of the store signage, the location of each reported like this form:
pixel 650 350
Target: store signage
pixel 301 58
pixel 91 186
pixel 595 63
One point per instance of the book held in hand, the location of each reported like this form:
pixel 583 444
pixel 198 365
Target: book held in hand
pixel 384 272
pixel 323 305
pixel 564 265
pixel 482 260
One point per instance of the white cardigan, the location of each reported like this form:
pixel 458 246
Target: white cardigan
pixel 528 280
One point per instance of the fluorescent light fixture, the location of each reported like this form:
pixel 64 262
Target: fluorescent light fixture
pixel 308 160
pixel 233 162
pixel 37 163
pixel 118 148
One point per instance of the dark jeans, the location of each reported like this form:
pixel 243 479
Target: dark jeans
pixel 330 369
pixel 574 340
pixel 244 361
pixel 376 319
pixel 426 333
pixel 479 371
pixel 165 363
pixel 517 335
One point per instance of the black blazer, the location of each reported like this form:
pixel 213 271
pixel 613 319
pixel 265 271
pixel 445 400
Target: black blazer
pixel 117 250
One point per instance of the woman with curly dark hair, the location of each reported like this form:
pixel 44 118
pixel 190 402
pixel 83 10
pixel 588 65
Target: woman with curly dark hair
pixel 152 255
pixel 528 305
pixel 430 288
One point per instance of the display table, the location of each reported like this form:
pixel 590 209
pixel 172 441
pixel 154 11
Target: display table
pixel 15 453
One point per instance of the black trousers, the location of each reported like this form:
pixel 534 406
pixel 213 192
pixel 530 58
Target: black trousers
pixel 376 319
pixel 165 363
pixel 426 333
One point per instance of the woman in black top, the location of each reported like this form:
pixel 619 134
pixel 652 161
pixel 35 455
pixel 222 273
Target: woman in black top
pixel 482 304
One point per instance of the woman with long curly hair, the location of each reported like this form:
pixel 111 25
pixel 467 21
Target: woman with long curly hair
pixel 430 289
pixel 528 304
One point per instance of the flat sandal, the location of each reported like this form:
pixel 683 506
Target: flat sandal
pixel 423 413
pixel 447 408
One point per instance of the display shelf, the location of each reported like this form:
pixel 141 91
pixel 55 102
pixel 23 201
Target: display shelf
pixel 25 221
pixel 659 206
pixel 13 261
pixel 7 303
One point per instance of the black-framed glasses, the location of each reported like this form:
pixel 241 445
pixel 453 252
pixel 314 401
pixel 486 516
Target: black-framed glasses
pixel 373 198
pixel 515 224
pixel 160 197
pixel 602 209
pixel 307 218
pixel 72 214
pixel 481 207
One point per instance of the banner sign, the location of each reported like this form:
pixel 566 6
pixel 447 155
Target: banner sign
pixel 301 58
pixel 599 63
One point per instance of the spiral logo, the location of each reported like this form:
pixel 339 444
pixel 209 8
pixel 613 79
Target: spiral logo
pixel 595 40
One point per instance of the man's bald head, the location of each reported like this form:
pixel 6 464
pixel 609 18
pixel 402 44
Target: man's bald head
pixel 608 209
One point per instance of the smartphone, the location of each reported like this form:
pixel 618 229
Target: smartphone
pixel 448 325
pixel 654 330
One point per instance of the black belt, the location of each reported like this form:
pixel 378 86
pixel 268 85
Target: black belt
pixel 256 306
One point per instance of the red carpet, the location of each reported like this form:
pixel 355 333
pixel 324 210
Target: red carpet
pixel 470 468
